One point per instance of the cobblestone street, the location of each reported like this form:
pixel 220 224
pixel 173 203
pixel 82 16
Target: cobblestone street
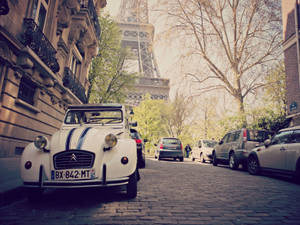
pixel 170 193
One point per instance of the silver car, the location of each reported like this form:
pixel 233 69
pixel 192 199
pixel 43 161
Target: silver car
pixel 235 146
pixel 279 156
pixel 203 150
pixel 169 147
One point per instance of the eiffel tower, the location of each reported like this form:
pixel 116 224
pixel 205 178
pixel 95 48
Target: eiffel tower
pixel 137 34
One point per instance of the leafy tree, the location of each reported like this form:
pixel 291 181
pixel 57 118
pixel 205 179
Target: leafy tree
pixel 149 118
pixel 109 81
pixel 231 39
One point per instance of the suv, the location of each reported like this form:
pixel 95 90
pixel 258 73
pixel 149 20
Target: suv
pixel 169 147
pixel 203 150
pixel 140 147
pixel 235 146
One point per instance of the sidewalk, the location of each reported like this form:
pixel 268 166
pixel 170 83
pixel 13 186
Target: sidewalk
pixel 10 181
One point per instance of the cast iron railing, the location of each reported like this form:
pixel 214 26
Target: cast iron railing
pixel 34 38
pixel 89 4
pixel 74 85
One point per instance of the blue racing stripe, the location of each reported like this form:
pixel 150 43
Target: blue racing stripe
pixel 81 138
pixel 69 139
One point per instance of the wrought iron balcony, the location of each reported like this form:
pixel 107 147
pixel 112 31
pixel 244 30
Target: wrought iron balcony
pixel 70 81
pixel 89 4
pixel 34 38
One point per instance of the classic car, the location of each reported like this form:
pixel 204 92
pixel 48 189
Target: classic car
pixel 93 148
pixel 203 150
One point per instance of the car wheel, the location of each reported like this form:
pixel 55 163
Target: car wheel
pixel 193 159
pixel 297 173
pixel 131 187
pixel 202 158
pixel 215 160
pixel 142 164
pixel 159 158
pixel 253 165
pixel 233 164
pixel 181 159
pixel 34 194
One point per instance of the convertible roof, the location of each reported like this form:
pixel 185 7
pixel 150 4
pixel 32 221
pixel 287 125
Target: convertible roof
pixel 93 106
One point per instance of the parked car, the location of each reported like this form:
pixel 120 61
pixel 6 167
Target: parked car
pixel 169 147
pixel 203 150
pixel 93 148
pixel 140 147
pixel 235 147
pixel 279 155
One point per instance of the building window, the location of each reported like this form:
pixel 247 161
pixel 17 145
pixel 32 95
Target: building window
pixel 39 13
pixel 75 65
pixel 27 90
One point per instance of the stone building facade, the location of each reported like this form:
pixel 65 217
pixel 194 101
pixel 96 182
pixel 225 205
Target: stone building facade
pixel 290 22
pixel 46 47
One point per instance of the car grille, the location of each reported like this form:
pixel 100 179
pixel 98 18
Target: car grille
pixel 73 159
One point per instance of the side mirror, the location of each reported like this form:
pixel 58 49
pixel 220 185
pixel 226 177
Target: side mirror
pixel 221 142
pixel 145 140
pixel 267 143
pixel 133 124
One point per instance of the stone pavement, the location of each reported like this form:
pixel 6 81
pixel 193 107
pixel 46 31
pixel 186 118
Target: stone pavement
pixel 169 192
pixel 10 181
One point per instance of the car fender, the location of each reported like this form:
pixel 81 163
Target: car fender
pixel 38 158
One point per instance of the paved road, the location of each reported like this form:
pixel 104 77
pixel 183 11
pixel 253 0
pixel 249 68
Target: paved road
pixel 170 193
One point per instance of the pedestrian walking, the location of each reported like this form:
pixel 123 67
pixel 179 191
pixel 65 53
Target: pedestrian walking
pixel 187 149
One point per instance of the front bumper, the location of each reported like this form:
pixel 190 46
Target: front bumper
pixel 78 184
pixel 44 182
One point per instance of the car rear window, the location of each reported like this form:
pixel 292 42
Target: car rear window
pixel 171 141
pixel 209 144
pixel 257 135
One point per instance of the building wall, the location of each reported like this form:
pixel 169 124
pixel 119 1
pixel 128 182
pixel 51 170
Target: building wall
pixel 291 58
pixel 70 29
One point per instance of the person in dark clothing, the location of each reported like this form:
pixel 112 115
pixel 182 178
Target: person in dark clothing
pixel 187 149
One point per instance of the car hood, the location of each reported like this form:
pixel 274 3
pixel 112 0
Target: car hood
pixel 81 138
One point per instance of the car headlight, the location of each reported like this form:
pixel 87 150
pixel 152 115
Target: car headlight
pixel 40 142
pixel 111 140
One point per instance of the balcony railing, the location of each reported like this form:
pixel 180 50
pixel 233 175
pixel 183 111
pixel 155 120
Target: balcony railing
pixel 89 4
pixel 34 38
pixel 74 85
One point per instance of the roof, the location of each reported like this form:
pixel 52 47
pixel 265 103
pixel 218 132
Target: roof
pixel 97 105
pixel 291 128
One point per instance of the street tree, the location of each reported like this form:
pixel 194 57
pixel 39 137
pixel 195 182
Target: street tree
pixel 149 118
pixel 109 80
pixel 232 41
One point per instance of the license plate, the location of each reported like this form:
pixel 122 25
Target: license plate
pixel 75 174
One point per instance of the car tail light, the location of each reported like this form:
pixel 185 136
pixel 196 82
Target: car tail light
pixel 161 146
pixel 138 141
pixel 245 135
pixel 181 146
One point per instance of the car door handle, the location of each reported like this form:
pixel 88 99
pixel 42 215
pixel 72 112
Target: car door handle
pixel 282 149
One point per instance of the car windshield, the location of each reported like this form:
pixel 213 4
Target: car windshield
pixel 134 134
pixel 171 141
pixel 209 144
pixel 105 116
pixel 258 135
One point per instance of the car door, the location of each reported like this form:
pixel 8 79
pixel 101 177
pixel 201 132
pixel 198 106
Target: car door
pixel 222 146
pixel 293 151
pixel 274 156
